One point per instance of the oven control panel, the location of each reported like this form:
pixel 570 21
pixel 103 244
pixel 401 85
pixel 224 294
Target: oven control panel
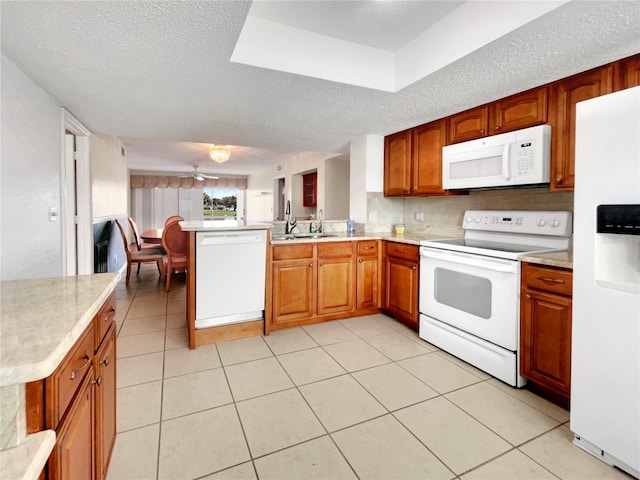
pixel 556 223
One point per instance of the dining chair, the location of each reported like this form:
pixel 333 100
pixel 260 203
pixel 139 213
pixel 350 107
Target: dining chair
pixel 173 218
pixel 141 256
pixel 141 244
pixel 175 242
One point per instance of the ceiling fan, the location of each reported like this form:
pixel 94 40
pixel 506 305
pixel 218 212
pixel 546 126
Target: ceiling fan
pixel 196 175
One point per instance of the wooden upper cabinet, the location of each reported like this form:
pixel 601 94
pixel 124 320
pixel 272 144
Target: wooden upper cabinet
pixel 627 73
pixel 397 164
pixel 310 189
pixel 468 125
pixel 428 141
pixel 523 110
pixel 565 94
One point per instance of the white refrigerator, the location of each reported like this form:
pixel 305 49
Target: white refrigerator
pixel 605 378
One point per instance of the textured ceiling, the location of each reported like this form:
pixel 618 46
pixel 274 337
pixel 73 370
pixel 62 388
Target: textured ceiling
pixel 160 71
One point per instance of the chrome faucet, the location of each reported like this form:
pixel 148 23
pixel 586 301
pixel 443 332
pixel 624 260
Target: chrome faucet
pixel 289 226
pixel 320 219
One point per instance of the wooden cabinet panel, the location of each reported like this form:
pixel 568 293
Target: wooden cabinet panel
pixel 401 292
pixel 104 319
pixel 627 73
pixel 397 164
pixel 73 457
pixel 367 247
pixel 402 251
pixel 367 282
pixel 335 285
pixel 335 249
pixel 546 340
pixel 293 290
pixel 522 110
pixel 468 125
pixel 309 189
pixel 105 392
pixel 426 175
pixel 565 94
pixel 292 252
pixel 548 279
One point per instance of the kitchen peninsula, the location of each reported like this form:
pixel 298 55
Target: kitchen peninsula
pixel 43 320
pixel 225 279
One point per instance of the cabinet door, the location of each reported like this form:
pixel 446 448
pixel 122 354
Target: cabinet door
pixel 428 141
pixel 523 110
pixel 335 285
pixel 401 292
pixel 105 402
pixel 546 340
pixel 367 281
pixel 566 93
pixel 73 455
pixel 627 73
pixel 293 290
pixel 468 125
pixel 397 164
pixel 309 189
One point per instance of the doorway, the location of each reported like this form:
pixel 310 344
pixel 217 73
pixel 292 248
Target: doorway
pixel 279 199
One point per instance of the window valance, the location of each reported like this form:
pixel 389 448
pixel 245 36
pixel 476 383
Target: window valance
pixel 160 181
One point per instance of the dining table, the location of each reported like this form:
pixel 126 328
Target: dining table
pixel 153 235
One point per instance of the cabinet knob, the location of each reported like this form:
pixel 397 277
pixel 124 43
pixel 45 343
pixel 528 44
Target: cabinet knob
pixel 497 127
pixel 321 263
pixel 558 180
pixel 482 131
pixel 414 268
pixel 97 381
pixel 360 261
pixel 311 264
pixel 105 362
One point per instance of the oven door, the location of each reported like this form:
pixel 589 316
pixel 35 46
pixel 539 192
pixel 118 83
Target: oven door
pixel 477 294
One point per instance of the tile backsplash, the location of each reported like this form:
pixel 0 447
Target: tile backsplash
pixel 443 215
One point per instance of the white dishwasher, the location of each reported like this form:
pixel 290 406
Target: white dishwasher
pixel 230 276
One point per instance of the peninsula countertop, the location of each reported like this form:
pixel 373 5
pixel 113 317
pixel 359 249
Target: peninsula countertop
pixel 222 225
pixel 43 318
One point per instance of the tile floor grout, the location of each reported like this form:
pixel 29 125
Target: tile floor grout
pixel 139 289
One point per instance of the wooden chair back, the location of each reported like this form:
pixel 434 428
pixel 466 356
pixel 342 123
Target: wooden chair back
pixel 136 235
pixel 124 241
pixel 174 240
pixel 173 218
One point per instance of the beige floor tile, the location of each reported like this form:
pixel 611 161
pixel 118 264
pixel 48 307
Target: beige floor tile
pixel 309 366
pixel 136 326
pixel 383 449
pixel 289 340
pixel 139 369
pixel 181 361
pixel 194 392
pixel 138 405
pixel 556 452
pixel 201 443
pixel 396 346
pixel 135 454
pixel 510 466
pixel 438 373
pixel 545 406
pixel 513 420
pixel 341 402
pixel 251 379
pixel 176 338
pixel 277 421
pixel 366 326
pixel 457 439
pixel 356 355
pixel 149 300
pixel 140 344
pixel 243 350
pixel 244 471
pixel 151 310
pixel 176 320
pixel 329 332
pixel 394 387
pixel 464 365
pixel 315 459
pixel 178 306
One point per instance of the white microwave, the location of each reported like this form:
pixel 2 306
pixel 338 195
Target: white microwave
pixel 509 159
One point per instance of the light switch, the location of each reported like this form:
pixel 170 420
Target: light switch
pixel 53 214
pixel 420 216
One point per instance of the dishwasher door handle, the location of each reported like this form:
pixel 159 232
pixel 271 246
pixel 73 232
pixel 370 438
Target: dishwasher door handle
pixel 210 240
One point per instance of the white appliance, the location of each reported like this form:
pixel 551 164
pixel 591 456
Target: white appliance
pixel 230 277
pixel 470 287
pixel 605 362
pixel 505 160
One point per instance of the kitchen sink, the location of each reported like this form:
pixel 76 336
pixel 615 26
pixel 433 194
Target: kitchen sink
pixel 293 236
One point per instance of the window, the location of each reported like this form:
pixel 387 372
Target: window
pixel 219 203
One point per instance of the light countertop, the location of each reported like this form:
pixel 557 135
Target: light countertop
pixel 563 259
pixel 41 319
pixel 408 238
pixel 221 225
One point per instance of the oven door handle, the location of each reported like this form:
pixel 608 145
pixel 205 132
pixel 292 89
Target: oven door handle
pixel 494 264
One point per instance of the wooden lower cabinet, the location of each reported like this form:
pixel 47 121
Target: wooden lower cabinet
pixel 401 282
pixel 545 329
pixel 293 290
pixel 105 392
pixel 335 285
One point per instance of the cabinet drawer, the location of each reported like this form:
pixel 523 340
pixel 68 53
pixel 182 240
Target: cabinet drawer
pixel 547 279
pixel 335 249
pixel 292 252
pixel 402 250
pixel 367 247
pixel 104 318
pixel 67 378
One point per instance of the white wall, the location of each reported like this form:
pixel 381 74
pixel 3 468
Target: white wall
pixel 366 173
pixel 337 179
pixel 109 177
pixel 30 176
pixel 259 194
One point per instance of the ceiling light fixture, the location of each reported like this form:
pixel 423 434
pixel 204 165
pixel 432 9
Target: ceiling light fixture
pixel 219 153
